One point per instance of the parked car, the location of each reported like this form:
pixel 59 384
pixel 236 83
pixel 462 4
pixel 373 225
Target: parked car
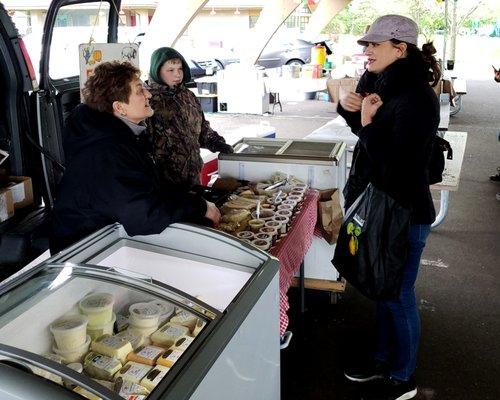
pixel 277 53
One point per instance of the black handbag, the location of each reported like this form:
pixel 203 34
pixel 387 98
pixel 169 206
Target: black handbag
pixel 436 162
pixel 373 243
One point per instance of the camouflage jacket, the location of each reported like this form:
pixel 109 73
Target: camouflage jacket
pixel 178 129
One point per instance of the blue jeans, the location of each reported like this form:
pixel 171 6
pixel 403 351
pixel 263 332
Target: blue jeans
pixel 398 323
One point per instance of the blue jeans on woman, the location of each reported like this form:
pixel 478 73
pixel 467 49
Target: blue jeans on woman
pixel 398 322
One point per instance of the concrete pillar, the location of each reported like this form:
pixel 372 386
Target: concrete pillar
pixel 271 17
pixel 143 18
pixel 323 14
pixel 170 20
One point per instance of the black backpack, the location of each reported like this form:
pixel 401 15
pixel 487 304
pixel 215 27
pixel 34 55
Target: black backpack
pixel 436 163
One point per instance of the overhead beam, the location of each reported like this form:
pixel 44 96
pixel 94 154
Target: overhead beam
pixel 321 17
pixel 168 24
pixel 272 16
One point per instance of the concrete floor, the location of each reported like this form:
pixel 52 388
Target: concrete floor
pixel 458 287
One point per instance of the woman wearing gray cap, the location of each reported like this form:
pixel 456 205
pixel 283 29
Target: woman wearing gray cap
pixel 395 114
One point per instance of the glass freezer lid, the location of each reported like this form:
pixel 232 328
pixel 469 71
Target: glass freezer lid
pixel 259 146
pixel 310 149
pixel 83 314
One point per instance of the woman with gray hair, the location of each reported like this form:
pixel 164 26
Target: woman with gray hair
pixel 395 114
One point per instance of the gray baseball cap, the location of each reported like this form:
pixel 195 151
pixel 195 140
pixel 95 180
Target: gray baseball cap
pixel 390 27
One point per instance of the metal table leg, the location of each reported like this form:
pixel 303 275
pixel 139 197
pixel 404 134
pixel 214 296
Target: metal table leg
pixel 458 105
pixel 443 208
pixel 302 288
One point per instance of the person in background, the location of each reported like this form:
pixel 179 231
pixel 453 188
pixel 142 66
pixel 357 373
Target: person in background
pixel 109 174
pixel 395 114
pixel 178 127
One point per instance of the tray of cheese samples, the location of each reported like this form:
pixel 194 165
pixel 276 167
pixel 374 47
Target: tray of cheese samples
pixel 261 213
pixel 129 351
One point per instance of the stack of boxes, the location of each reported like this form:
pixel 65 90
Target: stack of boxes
pixel 16 192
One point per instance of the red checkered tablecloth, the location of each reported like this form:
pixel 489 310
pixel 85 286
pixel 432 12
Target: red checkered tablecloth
pixel 291 249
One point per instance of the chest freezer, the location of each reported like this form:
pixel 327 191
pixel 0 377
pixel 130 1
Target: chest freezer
pixel 226 288
pixel 321 164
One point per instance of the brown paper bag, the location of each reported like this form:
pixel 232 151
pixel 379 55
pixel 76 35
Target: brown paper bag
pixel 330 214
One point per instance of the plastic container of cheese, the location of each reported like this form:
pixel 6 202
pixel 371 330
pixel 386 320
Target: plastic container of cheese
pixel 96 331
pixel 75 354
pixel 98 307
pixel 144 315
pixel 69 331
pixel 166 310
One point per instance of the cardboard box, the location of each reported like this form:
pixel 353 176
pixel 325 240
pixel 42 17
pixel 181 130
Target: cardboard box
pixel 6 205
pixel 334 87
pixel 21 189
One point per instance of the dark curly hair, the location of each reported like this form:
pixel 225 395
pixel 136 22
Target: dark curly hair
pixel 425 56
pixel 110 82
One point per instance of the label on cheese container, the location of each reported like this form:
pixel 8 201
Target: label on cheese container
pixel 153 378
pixel 127 388
pixel 183 343
pixel 115 342
pixel 103 362
pixel 150 352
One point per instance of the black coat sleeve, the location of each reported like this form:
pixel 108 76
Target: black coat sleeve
pixel 398 148
pixel 353 119
pixel 127 193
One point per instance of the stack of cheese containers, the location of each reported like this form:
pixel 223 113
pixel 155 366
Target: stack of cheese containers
pixel 71 339
pixel 98 307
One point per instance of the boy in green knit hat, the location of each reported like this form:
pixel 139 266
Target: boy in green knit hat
pixel 178 127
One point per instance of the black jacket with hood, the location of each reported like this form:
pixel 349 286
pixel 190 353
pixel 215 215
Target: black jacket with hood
pixel 393 151
pixel 109 178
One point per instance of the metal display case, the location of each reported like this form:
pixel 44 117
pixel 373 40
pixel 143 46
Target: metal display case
pixel 230 286
pixel 321 164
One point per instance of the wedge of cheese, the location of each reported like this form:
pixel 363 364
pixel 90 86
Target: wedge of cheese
pixel 169 358
pixel 186 319
pixel 112 346
pixel 200 324
pixel 153 378
pixel 146 354
pixel 99 366
pixel 168 334
pixel 133 372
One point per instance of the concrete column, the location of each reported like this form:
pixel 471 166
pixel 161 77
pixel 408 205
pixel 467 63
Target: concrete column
pixel 143 20
pixel 170 20
pixel 271 17
pixel 323 14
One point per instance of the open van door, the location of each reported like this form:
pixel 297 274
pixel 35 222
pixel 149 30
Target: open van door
pixel 68 24
pixel 33 114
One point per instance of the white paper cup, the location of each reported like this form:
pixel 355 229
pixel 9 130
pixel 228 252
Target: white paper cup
pixel 261 244
pixel 245 235
pixel 283 213
pixel 283 221
pixel 264 236
pixel 265 214
pixel 288 207
pixel 70 331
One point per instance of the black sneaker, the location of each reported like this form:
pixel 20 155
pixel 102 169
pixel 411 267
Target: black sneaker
pixel 495 178
pixel 366 373
pixel 393 389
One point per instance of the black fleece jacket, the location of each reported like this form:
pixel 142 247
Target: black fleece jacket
pixel 110 178
pixel 393 151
